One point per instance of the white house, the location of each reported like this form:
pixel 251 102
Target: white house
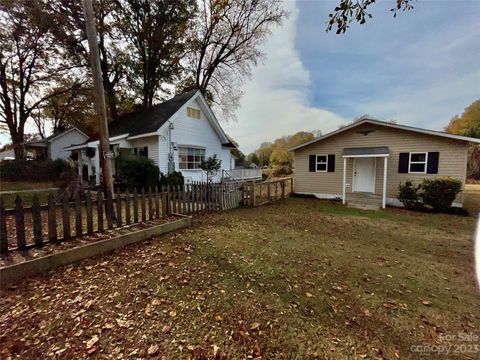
pixel 55 144
pixel 176 134
pixel 52 147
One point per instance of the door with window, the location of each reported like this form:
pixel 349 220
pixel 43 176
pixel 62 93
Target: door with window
pixel 364 175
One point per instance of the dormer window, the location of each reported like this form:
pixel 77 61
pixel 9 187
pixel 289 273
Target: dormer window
pixel 193 113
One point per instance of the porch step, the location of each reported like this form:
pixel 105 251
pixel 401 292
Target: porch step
pixel 365 201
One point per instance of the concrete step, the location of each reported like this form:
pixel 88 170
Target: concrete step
pixel 363 206
pixel 365 201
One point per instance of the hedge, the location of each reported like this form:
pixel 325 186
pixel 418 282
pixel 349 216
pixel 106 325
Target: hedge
pixel 33 170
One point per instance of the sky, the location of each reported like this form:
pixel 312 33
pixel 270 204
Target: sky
pixel 420 68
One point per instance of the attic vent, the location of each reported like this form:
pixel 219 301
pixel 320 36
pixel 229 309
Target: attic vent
pixel 365 132
pixel 193 113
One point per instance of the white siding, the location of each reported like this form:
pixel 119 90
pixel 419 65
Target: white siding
pixel 196 132
pixel 152 143
pixel 56 145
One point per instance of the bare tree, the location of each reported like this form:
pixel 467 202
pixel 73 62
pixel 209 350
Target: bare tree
pixel 29 63
pixel 227 37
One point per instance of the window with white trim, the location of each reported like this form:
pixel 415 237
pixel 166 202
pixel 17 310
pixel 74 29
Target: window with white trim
pixel 322 163
pixel 190 157
pixel 193 113
pixel 418 163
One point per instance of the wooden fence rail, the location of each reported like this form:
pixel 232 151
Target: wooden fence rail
pixel 25 227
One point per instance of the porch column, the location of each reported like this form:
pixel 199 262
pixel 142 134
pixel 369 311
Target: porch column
pixel 89 168
pixel 384 195
pixel 344 179
pixel 97 165
pixel 79 165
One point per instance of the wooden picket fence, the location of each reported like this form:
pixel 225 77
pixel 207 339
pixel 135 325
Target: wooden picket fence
pixel 261 193
pixel 26 227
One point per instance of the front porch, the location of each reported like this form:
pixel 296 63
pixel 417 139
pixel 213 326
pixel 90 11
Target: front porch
pixel 367 186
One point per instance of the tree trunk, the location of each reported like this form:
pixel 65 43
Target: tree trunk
pixel 112 101
pixel 18 146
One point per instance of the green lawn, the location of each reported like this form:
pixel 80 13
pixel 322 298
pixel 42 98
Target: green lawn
pixel 298 279
pixel 472 198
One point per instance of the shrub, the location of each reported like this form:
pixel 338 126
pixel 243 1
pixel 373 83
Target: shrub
pixel 173 179
pixel 408 194
pixel 35 170
pixel 282 170
pixel 440 193
pixel 436 194
pixel 137 171
pixel 211 166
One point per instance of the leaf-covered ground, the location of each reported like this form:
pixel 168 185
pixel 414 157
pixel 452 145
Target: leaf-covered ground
pixel 298 279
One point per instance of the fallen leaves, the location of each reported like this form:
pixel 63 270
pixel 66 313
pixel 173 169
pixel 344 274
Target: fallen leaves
pixel 254 326
pixel 91 343
pixel 153 350
pixel 166 329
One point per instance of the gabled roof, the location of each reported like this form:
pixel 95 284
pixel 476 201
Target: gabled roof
pixel 390 125
pixel 43 142
pixel 150 120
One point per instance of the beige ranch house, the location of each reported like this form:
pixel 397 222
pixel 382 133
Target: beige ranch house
pixel 363 163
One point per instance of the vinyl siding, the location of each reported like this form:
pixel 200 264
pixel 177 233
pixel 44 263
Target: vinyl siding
pixel 151 142
pixel 194 132
pixel 452 162
pixel 56 146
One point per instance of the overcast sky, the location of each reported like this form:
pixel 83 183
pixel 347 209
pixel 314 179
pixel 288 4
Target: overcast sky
pixel 420 68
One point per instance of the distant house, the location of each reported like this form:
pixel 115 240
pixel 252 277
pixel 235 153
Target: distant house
pixel 366 161
pixel 52 147
pixel 177 134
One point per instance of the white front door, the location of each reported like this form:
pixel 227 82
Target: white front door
pixel 364 175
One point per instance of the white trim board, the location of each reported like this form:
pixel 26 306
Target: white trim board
pixel 364 156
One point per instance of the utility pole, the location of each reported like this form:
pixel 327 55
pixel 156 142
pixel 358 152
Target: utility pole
pixel 105 161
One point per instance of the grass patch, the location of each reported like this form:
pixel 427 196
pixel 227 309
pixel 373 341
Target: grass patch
pixel 27 198
pixel 472 198
pixel 298 279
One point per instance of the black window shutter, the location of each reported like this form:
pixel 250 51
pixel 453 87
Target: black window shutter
pixel 145 149
pixel 432 164
pixel 331 163
pixel 312 162
pixel 403 163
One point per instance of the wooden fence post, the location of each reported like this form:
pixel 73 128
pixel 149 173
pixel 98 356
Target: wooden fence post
pixel 109 210
pixel 3 229
pixel 78 216
pixel 52 219
pixel 66 217
pixel 100 211
pixel 291 185
pixel 135 206
pixel 89 211
pixel 157 204
pixel 127 207
pixel 20 224
pixel 118 199
pixel 150 204
pixel 37 221
pixel 166 194
pixel 144 207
